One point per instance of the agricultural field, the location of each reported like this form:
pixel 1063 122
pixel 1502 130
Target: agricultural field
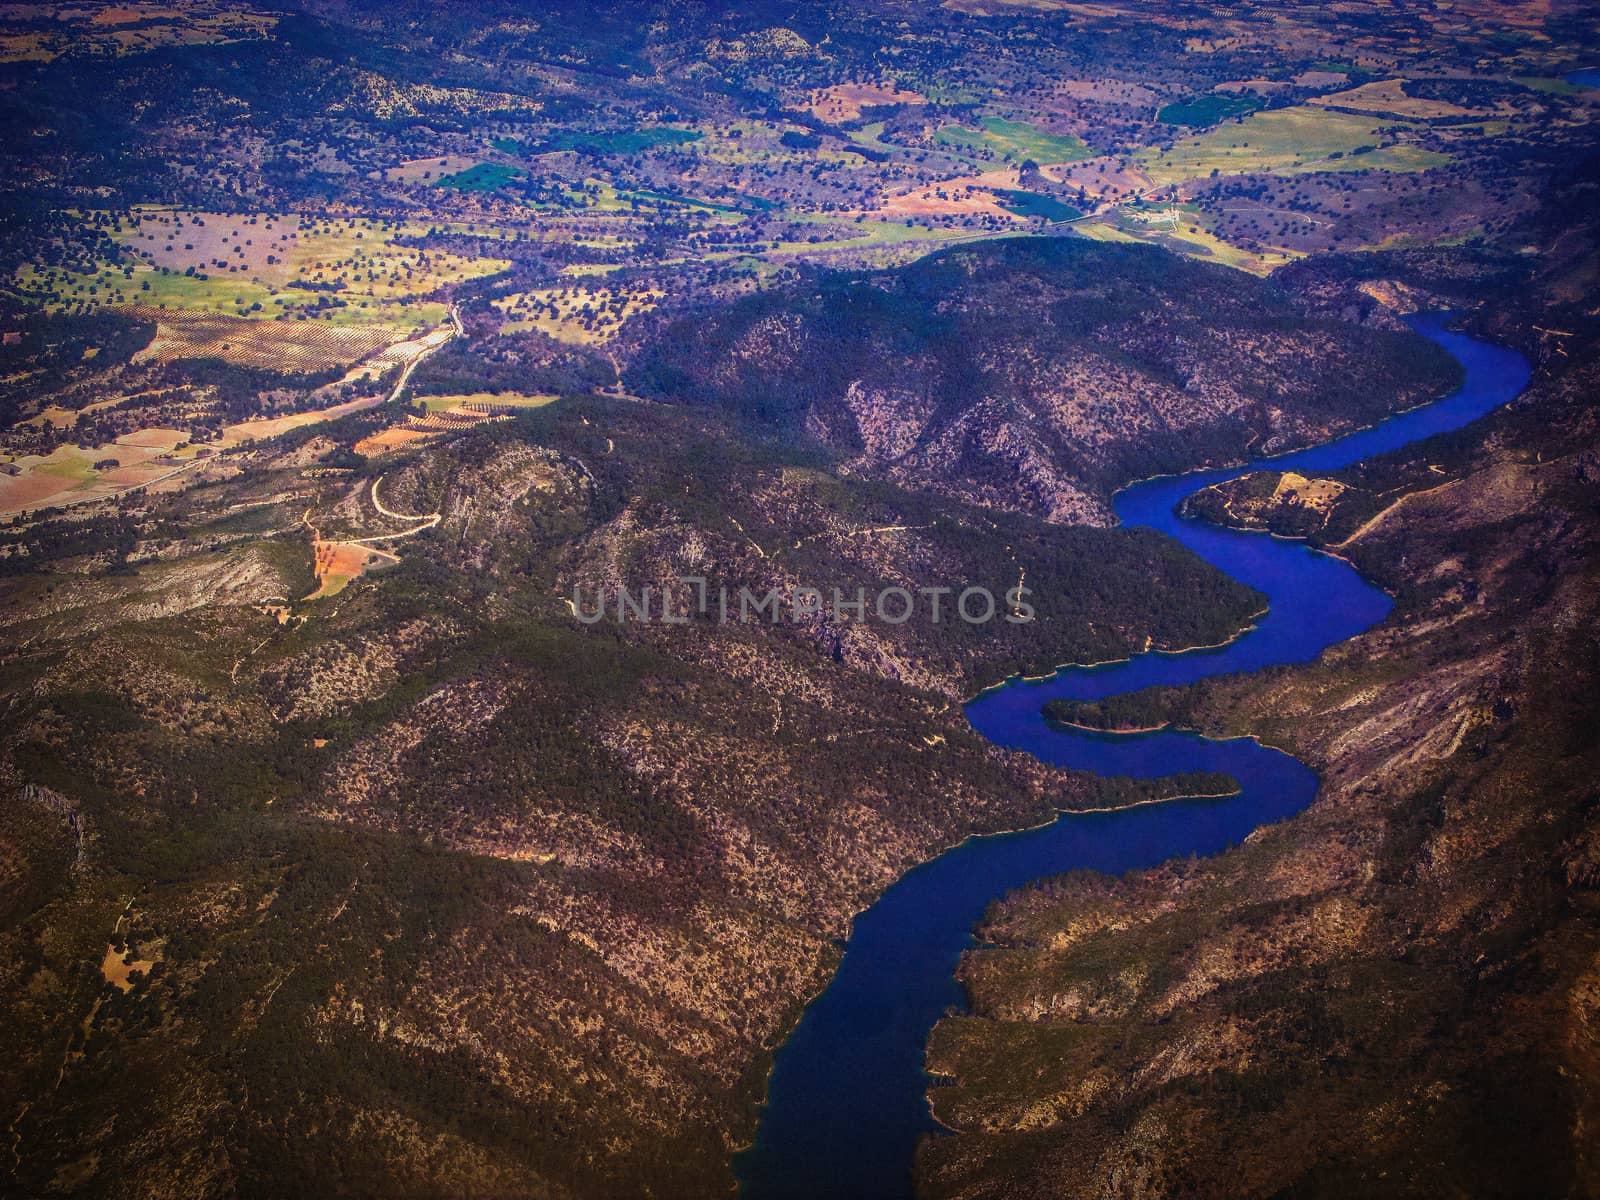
pixel 1014 141
pixel 144 458
pixel 73 474
pixel 156 456
pixel 364 259
pixel 480 177
pixel 1106 91
pixel 487 403
pixel 1208 110
pixel 426 171
pixel 1311 212
pixel 299 348
pixel 745 148
pixel 1101 178
pixel 867 241
pixel 446 415
pixel 262 428
pixel 844 101
pixel 962 196
pixel 1289 140
pixel 63 418
pixel 595 197
pixel 1388 97
pixel 339 564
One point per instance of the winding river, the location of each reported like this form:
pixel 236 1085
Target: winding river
pixel 847 1100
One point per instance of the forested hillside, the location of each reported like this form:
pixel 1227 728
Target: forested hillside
pixel 1039 374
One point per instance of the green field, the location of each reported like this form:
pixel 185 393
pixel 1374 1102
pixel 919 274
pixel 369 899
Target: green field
pixel 484 177
pixel 1015 140
pixel 1284 141
pixel 1208 110
pixel 1036 204
pixel 1547 85
pixel 870 136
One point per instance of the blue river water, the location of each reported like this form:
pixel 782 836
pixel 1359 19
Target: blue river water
pixel 847 1099
pixel 1589 77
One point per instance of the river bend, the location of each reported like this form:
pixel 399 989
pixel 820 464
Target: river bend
pixel 847 1100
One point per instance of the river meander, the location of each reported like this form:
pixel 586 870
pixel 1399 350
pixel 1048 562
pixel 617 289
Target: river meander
pixel 847 1100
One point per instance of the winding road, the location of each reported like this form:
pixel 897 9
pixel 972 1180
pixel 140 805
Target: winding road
pixel 427 520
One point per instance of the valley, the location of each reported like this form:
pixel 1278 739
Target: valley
pixel 344 344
